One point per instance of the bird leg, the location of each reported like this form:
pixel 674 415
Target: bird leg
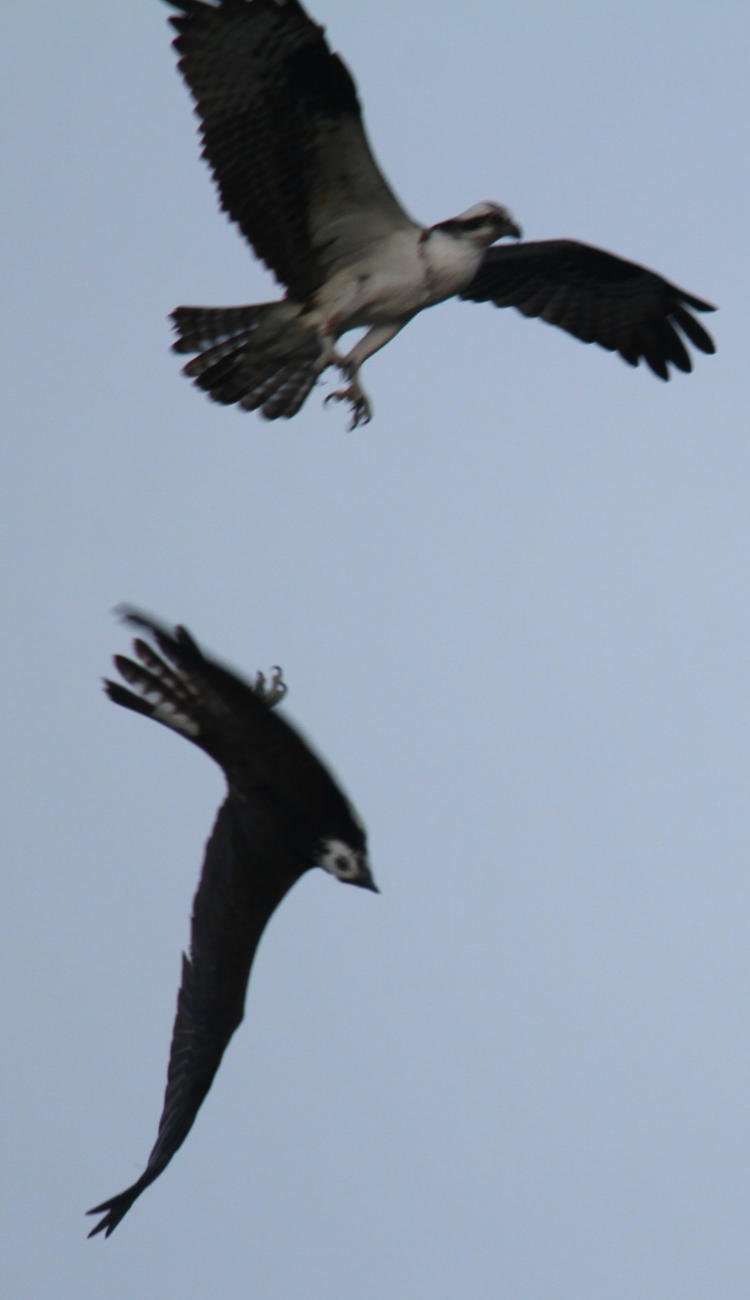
pixel 353 393
pixel 374 339
pixel 273 691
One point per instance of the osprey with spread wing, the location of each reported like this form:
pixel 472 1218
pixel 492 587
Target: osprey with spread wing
pixel 282 132
pixel 283 814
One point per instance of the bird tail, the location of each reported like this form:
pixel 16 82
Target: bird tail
pixel 262 357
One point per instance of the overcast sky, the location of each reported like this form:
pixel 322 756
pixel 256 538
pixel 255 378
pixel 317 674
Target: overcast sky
pixel 514 616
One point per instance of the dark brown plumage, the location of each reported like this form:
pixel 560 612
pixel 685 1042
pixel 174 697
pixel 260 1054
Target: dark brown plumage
pixel 283 814
pixel 597 297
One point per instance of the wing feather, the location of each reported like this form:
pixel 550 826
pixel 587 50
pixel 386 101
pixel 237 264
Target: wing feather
pixel 597 297
pixel 282 807
pixel 282 133
pixel 245 876
pixel 228 718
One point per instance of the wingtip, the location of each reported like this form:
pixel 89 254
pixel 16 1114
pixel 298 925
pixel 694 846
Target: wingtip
pixel 127 613
pixel 106 1225
pixel 115 1209
pixel 98 1227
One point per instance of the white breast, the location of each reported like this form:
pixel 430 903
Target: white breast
pixel 397 277
pixel 450 262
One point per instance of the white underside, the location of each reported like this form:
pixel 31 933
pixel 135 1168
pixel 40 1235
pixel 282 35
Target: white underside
pixel 396 278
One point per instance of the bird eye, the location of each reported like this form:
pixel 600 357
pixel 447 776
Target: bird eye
pixel 346 863
pixel 339 859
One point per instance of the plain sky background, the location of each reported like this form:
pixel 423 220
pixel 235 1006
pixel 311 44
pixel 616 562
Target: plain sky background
pixel 514 615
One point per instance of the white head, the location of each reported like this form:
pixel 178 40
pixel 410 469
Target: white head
pixel 482 224
pixel 346 864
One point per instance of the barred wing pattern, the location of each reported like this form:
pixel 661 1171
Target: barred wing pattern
pixel 284 814
pixel 282 132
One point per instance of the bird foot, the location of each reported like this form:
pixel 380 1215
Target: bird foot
pixel 273 691
pixel 361 409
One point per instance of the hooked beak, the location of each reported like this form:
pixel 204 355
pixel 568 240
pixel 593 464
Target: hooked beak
pixel 365 879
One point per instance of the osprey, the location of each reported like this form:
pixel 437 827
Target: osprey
pixel 283 814
pixel 282 132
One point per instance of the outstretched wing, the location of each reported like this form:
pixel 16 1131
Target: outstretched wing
pixel 597 297
pixel 245 876
pixel 282 132
pixel 185 690
pixel 229 718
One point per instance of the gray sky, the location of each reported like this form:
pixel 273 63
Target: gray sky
pixel 514 616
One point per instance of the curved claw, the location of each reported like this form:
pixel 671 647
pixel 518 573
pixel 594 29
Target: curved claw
pixel 361 409
pixel 271 692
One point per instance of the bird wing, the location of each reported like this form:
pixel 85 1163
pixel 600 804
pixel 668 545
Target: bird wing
pixel 232 721
pixel 245 876
pixel 194 695
pixel 282 132
pixel 597 297
pixel 265 837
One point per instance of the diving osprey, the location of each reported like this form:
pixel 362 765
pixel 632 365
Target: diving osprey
pixel 283 814
pixel 282 132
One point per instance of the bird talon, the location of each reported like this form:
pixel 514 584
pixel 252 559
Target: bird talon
pixel 283 814
pixel 271 692
pixel 361 414
pixel 361 409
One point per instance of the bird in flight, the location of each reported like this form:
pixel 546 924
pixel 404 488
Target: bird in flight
pixel 283 814
pixel 282 132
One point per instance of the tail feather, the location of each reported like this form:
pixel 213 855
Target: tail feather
pixel 284 392
pixel 261 357
pixel 202 327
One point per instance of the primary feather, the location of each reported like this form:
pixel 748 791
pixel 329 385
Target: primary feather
pixel 283 814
